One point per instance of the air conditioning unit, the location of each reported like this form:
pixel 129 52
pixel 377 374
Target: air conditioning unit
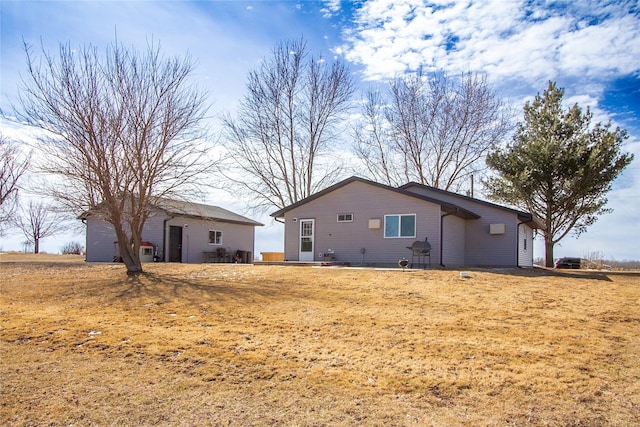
pixel 496 228
pixel 374 223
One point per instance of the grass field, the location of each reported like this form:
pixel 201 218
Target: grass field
pixel 248 345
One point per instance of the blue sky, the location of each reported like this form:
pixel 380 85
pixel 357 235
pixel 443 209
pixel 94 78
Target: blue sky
pixel 591 48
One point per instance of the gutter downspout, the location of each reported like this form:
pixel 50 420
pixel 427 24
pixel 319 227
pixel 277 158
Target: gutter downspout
pixel 86 237
pixel 441 236
pixel 164 238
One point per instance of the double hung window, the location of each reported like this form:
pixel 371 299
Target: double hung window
pixel 348 217
pixel 215 237
pixel 399 226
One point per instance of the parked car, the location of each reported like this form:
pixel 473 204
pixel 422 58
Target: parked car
pixel 567 262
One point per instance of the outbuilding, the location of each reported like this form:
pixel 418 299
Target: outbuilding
pixel 179 231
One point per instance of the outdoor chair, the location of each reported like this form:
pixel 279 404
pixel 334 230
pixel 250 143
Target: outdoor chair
pixel 223 255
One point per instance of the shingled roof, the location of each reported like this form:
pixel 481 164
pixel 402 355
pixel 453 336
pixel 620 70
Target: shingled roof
pixel 186 209
pixel 201 211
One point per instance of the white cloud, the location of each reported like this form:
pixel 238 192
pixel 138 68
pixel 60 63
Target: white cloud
pixel 612 48
pixel 520 46
pixel 504 39
pixel 331 8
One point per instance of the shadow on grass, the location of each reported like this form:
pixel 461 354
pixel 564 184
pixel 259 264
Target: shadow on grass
pixel 549 272
pixel 45 264
pixel 570 274
pixel 589 275
pixel 166 288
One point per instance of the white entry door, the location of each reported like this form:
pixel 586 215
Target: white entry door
pixel 307 230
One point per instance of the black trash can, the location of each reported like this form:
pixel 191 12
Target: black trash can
pixel 243 257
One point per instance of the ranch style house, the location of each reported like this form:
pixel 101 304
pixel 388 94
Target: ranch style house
pixel 361 222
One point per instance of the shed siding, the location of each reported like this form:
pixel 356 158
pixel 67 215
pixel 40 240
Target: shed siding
pixel 347 239
pixel 101 237
pixel 152 232
pixel 453 244
pixel 195 237
pixel 481 247
pixel 99 242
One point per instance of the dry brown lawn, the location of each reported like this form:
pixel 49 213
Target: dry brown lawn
pixel 246 345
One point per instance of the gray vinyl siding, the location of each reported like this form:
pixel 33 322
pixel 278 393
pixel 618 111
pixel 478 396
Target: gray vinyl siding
pixel 291 232
pixel 101 238
pixel 346 239
pixel 195 237
pixel 485 249
pixel 481 247
pixel 99 242
pixel 152 232
pixel 453 245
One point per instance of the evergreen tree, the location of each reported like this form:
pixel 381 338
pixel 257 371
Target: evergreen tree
pixel 558 167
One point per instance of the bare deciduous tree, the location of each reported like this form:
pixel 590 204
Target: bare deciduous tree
pixel 433 131
pixel 280 140
pixel 38 222
pixel 72 248
pixel 121 130
pixel 13 166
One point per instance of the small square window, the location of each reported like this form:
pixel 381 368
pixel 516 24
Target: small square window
pixel 215 237
pixel 345 217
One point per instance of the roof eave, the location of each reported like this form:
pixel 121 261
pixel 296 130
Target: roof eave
pixel 521 214
pixel 280 213
pixel 532 221
pixel 447 207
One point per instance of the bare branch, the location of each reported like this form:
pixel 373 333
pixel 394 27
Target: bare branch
pixel 280 139
pixel 122 130
pixel 40 221
pixel 13 165
pixel 432 130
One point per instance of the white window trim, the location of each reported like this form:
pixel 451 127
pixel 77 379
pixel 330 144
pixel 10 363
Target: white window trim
pixel 221 238
pixel 415 226
pixel 344 220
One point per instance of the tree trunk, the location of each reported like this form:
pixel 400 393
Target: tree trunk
pixel 132 262
pixel 548 251
pixel 130 258
pixel 36 246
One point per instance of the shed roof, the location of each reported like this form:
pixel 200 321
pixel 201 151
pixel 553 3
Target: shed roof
pixel 187 209
pixel 445 206
pixel 202 211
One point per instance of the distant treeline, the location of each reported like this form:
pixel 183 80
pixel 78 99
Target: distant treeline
pixel 624 265
pixel 594 261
